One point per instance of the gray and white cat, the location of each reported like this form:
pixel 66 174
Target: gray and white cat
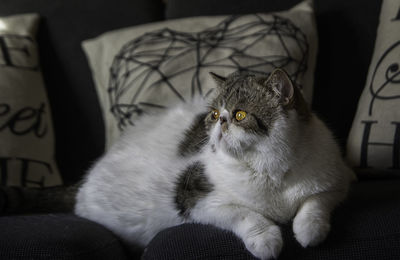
pixel 252 159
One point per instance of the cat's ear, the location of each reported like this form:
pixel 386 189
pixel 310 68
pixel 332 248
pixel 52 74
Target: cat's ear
pixel 281 83
pixel 218 79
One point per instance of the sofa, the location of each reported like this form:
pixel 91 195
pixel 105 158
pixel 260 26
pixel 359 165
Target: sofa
pixel 365 226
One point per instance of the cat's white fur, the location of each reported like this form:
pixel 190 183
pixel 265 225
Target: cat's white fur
pixel 296 172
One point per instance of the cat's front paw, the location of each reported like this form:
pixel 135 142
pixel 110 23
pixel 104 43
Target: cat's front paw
pixel 310 229
pixel 265 243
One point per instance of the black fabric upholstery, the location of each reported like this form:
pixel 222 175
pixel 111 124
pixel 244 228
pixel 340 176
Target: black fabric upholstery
pixel 65 24
pixel 347 31
pixel 366 226
pixel 183 8
pixel 195 241
pixel 56 237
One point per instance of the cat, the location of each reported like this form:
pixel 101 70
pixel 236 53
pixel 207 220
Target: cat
pixel 251 159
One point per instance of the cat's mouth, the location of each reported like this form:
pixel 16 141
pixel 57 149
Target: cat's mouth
pixel 222 139
pixel 223 130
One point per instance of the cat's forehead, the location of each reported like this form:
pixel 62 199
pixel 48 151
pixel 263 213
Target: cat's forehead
pixel 243 88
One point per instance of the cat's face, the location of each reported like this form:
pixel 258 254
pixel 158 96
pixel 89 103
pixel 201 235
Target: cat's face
pixel 246 109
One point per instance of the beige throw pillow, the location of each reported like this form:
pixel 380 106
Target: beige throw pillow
pixel 374 140
pixel 26 133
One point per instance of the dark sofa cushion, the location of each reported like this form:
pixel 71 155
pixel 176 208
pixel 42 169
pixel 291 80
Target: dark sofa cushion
pixel 366 226
pixel 57 237
pixel 347 31
pixel 76 112
pixel 182 8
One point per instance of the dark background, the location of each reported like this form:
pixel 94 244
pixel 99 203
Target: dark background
pixel 346 30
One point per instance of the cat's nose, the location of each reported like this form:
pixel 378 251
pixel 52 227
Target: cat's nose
pixel 222 119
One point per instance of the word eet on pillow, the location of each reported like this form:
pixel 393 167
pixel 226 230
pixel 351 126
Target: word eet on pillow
pixel 24 121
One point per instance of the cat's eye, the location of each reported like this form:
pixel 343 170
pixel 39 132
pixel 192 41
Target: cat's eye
pixel 215 114
pixel 240 115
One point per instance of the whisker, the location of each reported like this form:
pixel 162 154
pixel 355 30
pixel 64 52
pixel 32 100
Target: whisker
pixel 187 180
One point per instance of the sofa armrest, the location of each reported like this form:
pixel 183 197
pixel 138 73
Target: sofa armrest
pixel 60 236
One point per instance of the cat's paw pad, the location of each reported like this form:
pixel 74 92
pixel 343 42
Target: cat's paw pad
pixel 265 244
pixel 310 230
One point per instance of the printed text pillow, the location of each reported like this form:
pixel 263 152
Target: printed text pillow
pixel 147 68
pixel 26 133
pixel 374 140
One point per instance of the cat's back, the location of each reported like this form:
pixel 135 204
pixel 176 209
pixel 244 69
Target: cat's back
pixel 155 137
pixel 149 148
pixel 162 130
pixel 138 174
pixel 317 163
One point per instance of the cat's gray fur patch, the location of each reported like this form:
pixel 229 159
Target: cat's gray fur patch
pixel 192 185
pixel 195 137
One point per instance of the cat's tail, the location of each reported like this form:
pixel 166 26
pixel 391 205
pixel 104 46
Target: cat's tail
pixel 20 200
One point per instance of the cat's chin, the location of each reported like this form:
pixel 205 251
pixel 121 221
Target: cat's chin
pixel 220 138
pixel 225 147
pixel 220 144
